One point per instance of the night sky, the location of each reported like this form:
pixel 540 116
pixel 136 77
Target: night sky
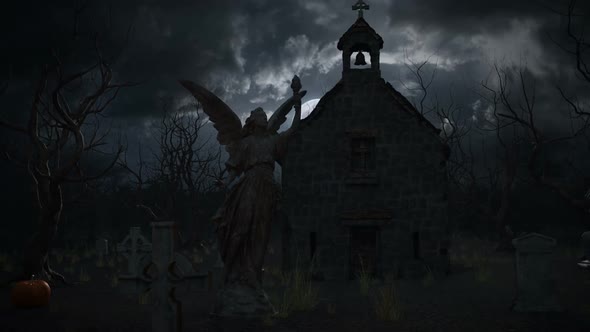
pixel 247 51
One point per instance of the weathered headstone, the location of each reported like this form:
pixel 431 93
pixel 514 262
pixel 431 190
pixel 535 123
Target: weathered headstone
pixel 183 265
pixel 165 307
pixel 134 247
pixel 102 247
pixel 535 278
pixel 165 273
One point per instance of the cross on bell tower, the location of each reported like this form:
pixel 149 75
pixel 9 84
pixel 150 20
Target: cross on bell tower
pixel 360 38
pixel 360 5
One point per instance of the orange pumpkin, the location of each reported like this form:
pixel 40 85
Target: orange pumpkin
pixel 30 294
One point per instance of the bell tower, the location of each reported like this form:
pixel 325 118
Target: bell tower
pixel 360 38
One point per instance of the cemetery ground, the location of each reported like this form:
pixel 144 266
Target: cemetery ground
pixel 476 296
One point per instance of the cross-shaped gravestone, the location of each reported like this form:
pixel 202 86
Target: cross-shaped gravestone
pixel 360 5
pixel 134 247
pixel 163 276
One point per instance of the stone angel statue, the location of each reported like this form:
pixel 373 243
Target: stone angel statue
pixel 243 222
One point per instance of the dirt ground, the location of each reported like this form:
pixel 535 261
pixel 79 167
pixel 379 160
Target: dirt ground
pixel 475 297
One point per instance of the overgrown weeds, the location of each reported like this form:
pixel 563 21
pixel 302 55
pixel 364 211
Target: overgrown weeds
pixel 299 294
pixel 365 279
pixel 387 304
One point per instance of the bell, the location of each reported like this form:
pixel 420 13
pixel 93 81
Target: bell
pixel 360 59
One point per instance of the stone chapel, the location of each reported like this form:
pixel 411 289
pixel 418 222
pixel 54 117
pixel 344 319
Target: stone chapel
pixel 364 180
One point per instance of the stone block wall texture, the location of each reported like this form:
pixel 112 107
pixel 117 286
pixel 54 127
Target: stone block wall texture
pixel 409 179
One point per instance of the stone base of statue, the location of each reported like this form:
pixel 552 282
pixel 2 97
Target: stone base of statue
pixel 242 301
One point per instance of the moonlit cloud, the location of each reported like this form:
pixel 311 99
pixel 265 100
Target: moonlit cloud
pixel 239 40
pixel 247 51
pixel 483 114
pixel 324 14
pixel 229 84
pixel 299 55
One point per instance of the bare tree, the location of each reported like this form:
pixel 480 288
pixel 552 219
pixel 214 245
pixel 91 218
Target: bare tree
pixel 138 175
pixel 185 166
pixel 456 131
pixel 422 80
pixel 63 127
pixel 518 113
pixel 579 45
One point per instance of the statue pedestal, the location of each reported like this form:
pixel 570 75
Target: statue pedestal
pixel 242 301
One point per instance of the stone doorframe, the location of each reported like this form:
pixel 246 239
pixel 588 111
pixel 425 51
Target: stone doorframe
pixel 376 218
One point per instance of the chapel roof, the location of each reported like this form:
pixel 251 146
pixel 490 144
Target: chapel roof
pixel 397 96
pixel 360 27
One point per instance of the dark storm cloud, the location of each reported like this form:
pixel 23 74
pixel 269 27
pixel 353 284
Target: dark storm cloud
pixel 247 51
pixel 465 16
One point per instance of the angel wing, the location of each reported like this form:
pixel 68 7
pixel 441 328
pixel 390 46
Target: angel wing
pixel 226 122
pixel 280 115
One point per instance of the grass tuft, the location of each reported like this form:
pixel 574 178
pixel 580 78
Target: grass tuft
pixel 365 279
pixel 299 293
pixel 387 305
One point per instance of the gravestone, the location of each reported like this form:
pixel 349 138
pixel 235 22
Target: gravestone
pixel 535 278
pixel 162 271
pixel 140 258
pixel 164 276
pixel 102 247
pixel 199 278
pixel 134 247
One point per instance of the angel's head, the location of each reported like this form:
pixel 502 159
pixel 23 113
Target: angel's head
pixel 257 121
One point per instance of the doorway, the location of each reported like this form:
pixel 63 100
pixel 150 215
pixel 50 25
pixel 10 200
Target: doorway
pixel 363 251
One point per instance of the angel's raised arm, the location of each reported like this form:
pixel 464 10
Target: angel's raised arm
pixel 280 115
